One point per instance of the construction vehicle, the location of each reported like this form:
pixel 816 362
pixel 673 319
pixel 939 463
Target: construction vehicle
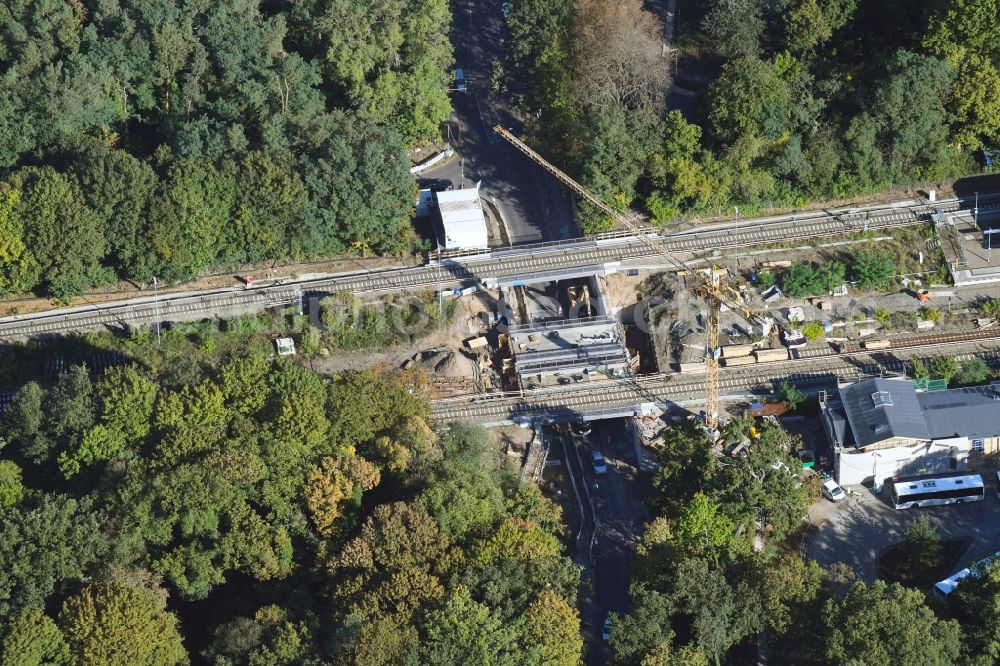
pixel 709 283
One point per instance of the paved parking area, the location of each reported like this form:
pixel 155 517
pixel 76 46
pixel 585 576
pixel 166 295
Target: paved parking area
pixel 860 527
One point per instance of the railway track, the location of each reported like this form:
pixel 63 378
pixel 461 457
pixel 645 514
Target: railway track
pixel 560 403
pixel 468 269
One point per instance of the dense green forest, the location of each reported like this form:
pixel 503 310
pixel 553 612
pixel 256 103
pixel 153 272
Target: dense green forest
pixel 159 138
pixel 257 514
pixel 808 99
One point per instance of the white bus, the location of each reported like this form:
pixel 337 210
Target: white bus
pixel 923 491
pixel 948 585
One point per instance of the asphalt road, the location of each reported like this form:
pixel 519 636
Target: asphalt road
pixel 862 526
pixel 619 516
pixel 534 205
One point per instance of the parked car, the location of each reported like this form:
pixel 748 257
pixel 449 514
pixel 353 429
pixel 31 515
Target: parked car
pixel 606 632
pixel 434 184
pixel 460 85
pixel 581 428
pixel 600 464
pixel 832 491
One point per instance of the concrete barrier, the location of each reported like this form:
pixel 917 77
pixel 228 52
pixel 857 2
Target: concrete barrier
pixel 431 161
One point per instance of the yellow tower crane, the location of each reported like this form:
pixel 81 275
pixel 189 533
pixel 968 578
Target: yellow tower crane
pixel 710 286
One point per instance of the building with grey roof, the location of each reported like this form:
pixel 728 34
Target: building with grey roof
pixel 882 411
pixel 885 427
pixel 967 412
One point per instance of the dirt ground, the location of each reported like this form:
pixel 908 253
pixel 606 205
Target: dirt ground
pixel 623 289
pixel 466 323
pixel 514 440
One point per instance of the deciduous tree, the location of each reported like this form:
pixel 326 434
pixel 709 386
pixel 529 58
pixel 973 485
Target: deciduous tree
pixel 115 624
pixel 880 623
pixel 465 631
pixel 686 466
pixel 975 107
pixel 119 188
pixel 944 367
pixel 749 101
pixel 736 27
pixel 11 486
pixel 957 27
pixel 333 483
pixel 18 267
pixel 975 603
pixel 555 625
pixel 810 23
pixel 973 371
pixel 126 398
pixel 703 530
pixel 620 60
pixel 189 215
pixel 64 234
pixel 44 544
pixel 722 613
pixel 272 636
pixel 33 639
pixel 645 627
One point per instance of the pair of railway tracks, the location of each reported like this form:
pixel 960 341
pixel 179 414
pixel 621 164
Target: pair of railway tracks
pixel 560 403
pixel 466 270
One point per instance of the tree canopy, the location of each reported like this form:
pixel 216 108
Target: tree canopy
pixel 142 139
pixel 806 99
pixel 327 520
pixel 113 623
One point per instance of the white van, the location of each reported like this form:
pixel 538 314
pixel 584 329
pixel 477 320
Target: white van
pixel 832 491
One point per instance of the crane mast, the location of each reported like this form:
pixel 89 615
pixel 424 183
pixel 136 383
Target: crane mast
pixel 712 287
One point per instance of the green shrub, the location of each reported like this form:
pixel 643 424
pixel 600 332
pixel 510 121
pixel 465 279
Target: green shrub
pixel 813 331
pixel 872 271
pixel 930 314
pixel 353 324
pixel 973 371
pixel 990 307
pixel 944 367
pixel 765 279
pixel 807 279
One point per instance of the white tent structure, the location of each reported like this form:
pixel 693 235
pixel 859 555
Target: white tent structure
pixel 462 218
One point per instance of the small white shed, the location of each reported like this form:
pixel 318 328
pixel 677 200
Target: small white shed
pixel 462 219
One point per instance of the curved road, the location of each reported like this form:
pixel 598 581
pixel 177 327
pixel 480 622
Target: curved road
pixel 534 205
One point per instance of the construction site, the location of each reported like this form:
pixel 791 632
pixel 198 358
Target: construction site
pixel 685 313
